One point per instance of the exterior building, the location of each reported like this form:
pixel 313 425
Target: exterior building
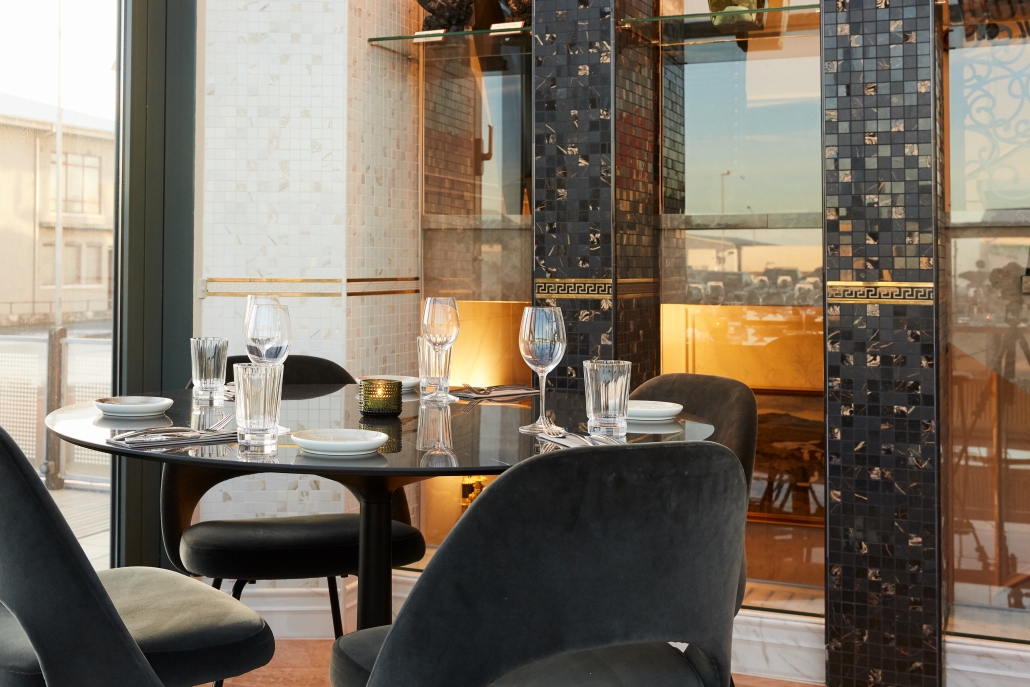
pixel 28 184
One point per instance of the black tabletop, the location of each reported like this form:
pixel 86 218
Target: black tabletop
pixel 485 437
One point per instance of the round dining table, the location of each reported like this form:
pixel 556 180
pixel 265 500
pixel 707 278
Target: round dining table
pixel 426 440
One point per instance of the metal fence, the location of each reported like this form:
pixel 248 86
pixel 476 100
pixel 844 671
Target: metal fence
pixel 24 378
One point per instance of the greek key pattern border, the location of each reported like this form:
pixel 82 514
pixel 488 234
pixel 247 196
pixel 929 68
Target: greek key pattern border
pixel 573 288
pixel 884 292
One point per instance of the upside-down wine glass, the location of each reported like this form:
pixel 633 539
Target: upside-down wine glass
pixel 542 344
pixel 268 334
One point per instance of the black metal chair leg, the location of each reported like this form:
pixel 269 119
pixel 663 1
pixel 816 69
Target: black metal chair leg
pixel 237 588
pixel 334 606
pixel 217 583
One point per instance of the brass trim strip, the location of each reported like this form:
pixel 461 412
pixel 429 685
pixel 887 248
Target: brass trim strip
pixel 382 293
pixel 882 292
pixel 380 279
pixel 280 294
pixel 220 280
pixel 234 287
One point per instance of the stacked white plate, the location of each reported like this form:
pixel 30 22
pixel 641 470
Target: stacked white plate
pixel 652 411
pixel 132 406
pixel 342 443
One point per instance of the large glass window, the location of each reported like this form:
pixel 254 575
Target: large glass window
pixel 477 237
pixel 57 93
pixel 742 263
pixel 988 448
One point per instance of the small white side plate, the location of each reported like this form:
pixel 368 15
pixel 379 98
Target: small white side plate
pixel 407 383
pixel 653 427
pixel 132 406
pixel 653 410
pixel 339 442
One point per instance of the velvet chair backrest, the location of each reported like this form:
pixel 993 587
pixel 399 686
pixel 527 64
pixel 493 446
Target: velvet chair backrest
pixel 724 403
pixel 301 369
pixel 49 586
pixel 573 550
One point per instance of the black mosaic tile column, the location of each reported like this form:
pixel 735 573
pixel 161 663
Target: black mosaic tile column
pixel 884 255
pixel 588 111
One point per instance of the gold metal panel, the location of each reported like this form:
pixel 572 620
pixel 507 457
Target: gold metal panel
pixel 885 292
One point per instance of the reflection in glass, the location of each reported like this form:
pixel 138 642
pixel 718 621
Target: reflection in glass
pixel 477 236
pixel 990 125
pixel 989 371
pixel 742 266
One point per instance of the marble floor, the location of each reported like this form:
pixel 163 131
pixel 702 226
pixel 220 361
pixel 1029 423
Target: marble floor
pixel 89 515
pixel 305 662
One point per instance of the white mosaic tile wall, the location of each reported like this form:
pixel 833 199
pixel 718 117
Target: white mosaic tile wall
pixel 382 184
pixel 310 171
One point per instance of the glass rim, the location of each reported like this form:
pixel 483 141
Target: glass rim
pixel 252 366
pixel 209 338
pixel 613 363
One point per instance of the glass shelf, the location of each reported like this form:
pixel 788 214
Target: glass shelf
pixel 677 18
pixel 674 31
pixel 436 38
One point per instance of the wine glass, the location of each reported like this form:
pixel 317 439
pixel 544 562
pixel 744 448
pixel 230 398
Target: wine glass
pixel 255 300
pixel 542 344
pixel 268 334
pixel 440 322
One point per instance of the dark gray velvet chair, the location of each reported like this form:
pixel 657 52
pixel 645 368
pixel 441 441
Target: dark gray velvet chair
pixel 727 405
pixel 64 625
pixel 299 547
pixel 575 568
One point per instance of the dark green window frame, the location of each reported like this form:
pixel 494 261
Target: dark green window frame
pixel 153 258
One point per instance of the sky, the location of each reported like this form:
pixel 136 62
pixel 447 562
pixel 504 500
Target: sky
pixel 28 53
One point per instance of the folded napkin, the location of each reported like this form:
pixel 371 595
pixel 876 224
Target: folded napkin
pixel 506 392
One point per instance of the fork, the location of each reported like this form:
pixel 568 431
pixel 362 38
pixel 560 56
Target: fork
pixel 221 423
pixel 479 391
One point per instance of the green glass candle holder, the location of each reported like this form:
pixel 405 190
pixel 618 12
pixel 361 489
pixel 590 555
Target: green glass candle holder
pixel 390 426
pixel 379 397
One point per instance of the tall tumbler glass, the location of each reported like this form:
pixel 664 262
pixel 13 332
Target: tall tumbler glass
pixel 607 395
pixel 208 356
pixel 434 370
pixel 542 344
pixel 258 399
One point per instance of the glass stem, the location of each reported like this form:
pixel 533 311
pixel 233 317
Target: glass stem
pixel 543 388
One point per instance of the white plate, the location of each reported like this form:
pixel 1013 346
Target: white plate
pixel 129 424
pixel 407 383
pixel 339 442
pixel 132 406
pixel 653 427
pixel 653 410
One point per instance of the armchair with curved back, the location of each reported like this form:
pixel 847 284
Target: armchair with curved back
pixel 575 568
pixel 296 547
pixel 724 403
pixel 62 624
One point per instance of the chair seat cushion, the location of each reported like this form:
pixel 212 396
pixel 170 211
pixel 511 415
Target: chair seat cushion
pixel 189 632
pixel 655 664
pixel 298 547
